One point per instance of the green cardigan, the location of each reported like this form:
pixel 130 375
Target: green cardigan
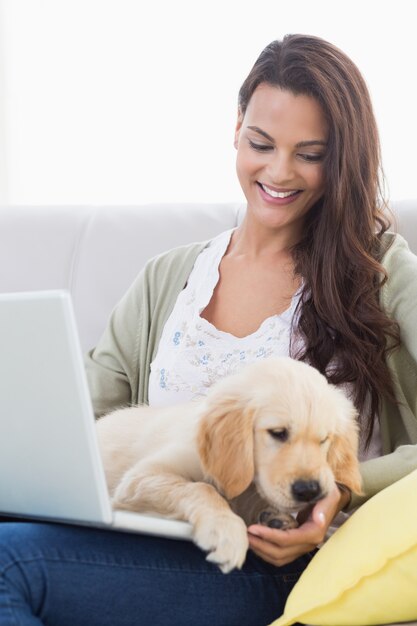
pixel 118 368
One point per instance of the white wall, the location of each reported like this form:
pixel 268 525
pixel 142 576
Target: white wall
pixel 124 101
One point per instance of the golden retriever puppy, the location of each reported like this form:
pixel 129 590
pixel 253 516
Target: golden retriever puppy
pixel 274 436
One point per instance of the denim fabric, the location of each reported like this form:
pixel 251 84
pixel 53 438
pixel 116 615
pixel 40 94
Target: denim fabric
pixel 60 575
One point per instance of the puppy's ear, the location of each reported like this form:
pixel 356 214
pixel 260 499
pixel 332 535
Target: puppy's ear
pixel 343 457
pixel 225 444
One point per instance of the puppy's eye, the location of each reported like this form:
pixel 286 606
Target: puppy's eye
pixel 280 435
pixel 324 440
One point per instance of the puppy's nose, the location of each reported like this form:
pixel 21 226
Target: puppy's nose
pixel 306 490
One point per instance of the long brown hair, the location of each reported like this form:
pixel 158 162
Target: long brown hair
pixel 346 334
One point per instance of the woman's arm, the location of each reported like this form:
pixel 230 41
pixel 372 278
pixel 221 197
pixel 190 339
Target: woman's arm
pixel 398 422
pixel 113 365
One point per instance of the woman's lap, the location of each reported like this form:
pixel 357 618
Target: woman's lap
pixel 69 575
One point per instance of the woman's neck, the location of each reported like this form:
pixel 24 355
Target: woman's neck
pixel 257 241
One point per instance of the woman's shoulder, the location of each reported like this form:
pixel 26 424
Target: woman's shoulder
pixel 164 271
pixel 182 258
pixel 400 265
pixel 396 252
pixel 179 254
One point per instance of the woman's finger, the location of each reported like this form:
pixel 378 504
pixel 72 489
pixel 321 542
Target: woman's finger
pixel 275 554
pixel 311 532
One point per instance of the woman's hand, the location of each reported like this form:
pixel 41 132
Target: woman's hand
pixel 280 547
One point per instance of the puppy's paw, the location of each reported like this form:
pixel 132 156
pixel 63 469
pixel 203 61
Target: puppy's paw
pixel 127 495
pixel 277 519
pixel 225 538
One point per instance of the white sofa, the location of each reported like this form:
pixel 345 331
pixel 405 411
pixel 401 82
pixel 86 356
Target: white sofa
pixel 95 252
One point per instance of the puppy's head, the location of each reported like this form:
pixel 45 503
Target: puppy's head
pixel 280 424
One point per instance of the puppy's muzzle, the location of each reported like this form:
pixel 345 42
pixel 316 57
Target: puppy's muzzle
pixel 306 490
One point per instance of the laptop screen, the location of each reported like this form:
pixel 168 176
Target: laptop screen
pixel 49 460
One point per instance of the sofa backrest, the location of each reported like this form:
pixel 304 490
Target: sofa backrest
pixel 96 252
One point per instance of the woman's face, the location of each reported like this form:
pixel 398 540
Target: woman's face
pixel 280 142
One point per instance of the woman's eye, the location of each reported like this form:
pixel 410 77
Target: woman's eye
pixel 260 147
pixel 312 158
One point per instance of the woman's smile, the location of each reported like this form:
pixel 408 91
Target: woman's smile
pixel 279 197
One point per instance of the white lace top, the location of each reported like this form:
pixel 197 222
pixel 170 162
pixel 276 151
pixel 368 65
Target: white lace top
pixel 192 353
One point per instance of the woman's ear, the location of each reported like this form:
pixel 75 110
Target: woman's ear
pixel 343 458
pixel 225 445
pixel 239 122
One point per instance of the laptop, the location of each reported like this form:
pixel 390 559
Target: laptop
pixel 50 465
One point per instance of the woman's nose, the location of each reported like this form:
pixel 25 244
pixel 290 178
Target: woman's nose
pixel 281 169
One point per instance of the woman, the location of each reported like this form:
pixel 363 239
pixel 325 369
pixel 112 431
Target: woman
pixel 311 272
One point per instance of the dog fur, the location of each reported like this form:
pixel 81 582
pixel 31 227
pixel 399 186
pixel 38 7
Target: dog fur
pixel 250 450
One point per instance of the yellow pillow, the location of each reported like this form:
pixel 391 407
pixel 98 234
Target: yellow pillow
pixel 366 573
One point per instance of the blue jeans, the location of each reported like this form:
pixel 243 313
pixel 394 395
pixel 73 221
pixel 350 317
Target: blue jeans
pixel 60 575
